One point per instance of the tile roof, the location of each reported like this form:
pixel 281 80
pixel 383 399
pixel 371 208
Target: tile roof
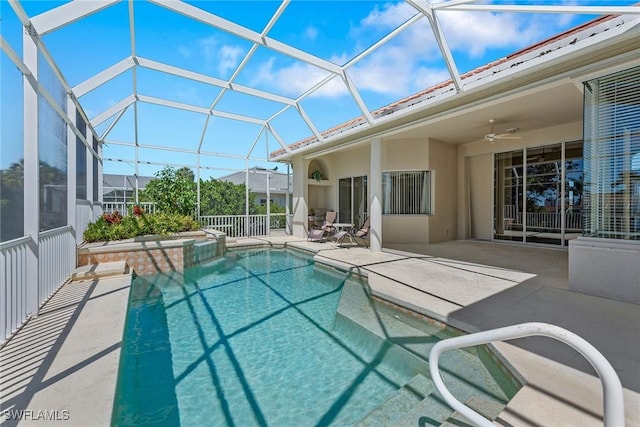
pixel 258 180
pixel 120 182
pixel 559 41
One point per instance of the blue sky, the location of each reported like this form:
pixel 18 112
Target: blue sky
pixel 335 31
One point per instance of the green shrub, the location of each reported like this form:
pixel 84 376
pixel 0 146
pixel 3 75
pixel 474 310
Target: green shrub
pixel 104 228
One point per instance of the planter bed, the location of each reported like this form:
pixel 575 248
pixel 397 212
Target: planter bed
pixel 156 254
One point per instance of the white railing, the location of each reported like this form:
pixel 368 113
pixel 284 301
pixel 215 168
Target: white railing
pixel 56 260
pixel 234 225
pixel 612 388
pixel 124 208
pixel 84 215
pixel 573 221
pixel 13 294
pixel 231 225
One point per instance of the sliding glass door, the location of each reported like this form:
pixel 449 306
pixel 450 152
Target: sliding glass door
pixel 544 195
pixel 538 194
pixel 508 196
pixel 352 200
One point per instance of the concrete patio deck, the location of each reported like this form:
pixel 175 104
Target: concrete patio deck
pixel 66 358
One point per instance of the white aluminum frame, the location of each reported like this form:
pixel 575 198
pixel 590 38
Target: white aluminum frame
pixel 612 388
pixel 65 14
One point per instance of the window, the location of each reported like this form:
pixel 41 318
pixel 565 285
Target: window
pixel 52 150
pixel 612 156
pixel 352 200
pixel 95 173
pixel 406 193
pixel 538 194
pixel 11 134
pixel 81 159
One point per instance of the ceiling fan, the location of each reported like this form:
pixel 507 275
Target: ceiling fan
pixel 508 134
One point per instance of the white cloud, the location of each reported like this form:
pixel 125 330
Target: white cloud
pixel 476 32
pixel 310 32
pixel 296 79
pixel 389 17
pixel 208 47
pixel 229 58
pixel 412 60
pixel 395 72
pixel 188 94
pixel 184 51
pixel 214 53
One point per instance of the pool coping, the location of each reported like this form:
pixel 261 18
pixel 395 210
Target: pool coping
pixel 554 390
pixel 562 384
pixel 499 362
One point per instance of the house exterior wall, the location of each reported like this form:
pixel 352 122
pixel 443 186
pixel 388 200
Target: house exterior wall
pixel 443 164
pixel 299 198
pixel 280 199
pixel 403 155
pixel 475 175
pixel 476 189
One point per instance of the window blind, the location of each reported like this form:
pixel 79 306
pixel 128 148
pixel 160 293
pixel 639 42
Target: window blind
pixel 612 155
pixel 406 193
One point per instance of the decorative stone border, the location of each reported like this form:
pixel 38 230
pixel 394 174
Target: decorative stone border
pixel 156 254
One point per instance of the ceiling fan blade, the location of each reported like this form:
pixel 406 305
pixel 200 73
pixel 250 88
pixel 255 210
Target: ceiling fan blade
pixel 506 136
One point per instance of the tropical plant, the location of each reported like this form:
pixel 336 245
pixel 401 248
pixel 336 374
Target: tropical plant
pixel 317 175
pixel 173 191
pixel 114 227
pixel 224 198
pixel 12 201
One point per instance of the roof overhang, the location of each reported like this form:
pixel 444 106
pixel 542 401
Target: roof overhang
pixel 568 66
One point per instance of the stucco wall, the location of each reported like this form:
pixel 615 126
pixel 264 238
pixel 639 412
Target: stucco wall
pixel 475 175
pixel 398 155
pixel 354 162
pixel 605 267
pixel 405 154
pixel 345 164
pixel 442 163
pixel 479 170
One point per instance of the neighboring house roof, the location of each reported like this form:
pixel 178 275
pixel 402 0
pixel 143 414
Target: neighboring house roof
pixel 258 180
pixel 487 73
pixel 122 182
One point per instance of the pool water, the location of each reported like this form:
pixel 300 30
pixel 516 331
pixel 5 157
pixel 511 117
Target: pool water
pixel 251 339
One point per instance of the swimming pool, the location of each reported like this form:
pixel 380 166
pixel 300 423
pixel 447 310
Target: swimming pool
pixel 257 338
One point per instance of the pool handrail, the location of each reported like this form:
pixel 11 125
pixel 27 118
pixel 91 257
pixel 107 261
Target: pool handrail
pixel 612 388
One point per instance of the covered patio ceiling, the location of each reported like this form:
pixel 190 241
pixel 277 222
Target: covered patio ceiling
pixel 219 85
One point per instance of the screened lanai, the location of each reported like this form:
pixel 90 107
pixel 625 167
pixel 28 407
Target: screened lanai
pixel 218 86
pixel 127 87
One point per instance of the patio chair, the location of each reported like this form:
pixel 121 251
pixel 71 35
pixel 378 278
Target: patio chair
pixel 320 234
pixel 359 236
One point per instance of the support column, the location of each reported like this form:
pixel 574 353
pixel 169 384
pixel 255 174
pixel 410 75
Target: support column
pixel 198 186
pixel 300 207
pixel 137 172
pixel 287 209
pixel 101 181
pixel 31 172
pixel 268 203
pixel 90 175
pixel 246 197
pixel 375 187
pixel 72 175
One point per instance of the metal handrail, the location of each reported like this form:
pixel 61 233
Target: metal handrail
pixel 612 388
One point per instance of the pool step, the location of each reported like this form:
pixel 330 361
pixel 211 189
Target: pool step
pixel 487 408
pixel 431 411
pixel 103 269
pixel 392 409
